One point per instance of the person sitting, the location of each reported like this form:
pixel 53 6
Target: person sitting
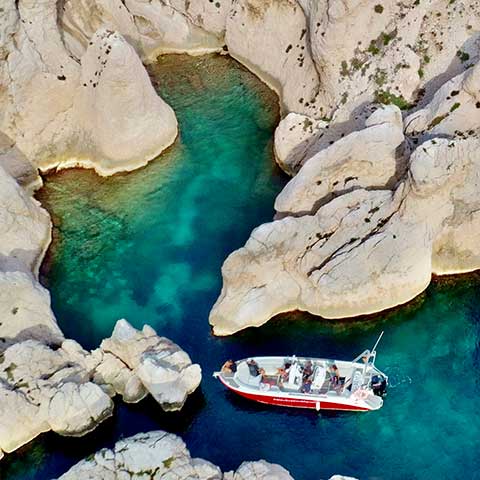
pixel 254 369
pixel 307 370
pixel 307 386
pixel 284 371
pixel 334 376
pixel 229 367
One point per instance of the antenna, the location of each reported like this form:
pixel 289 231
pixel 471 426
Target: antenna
pixel 377 342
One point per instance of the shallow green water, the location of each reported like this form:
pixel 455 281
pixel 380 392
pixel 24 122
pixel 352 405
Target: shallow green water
pixel 148 246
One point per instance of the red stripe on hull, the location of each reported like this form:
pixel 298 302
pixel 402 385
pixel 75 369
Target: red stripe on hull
pixel 297 402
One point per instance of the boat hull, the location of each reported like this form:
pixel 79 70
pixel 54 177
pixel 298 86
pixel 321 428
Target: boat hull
pixel 313 403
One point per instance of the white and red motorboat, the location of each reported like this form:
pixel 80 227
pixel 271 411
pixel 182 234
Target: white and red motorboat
pixel 314 383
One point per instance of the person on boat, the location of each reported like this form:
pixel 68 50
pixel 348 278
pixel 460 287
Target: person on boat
pixel 307 370
pixel 254 369
pixel 307 385
pixel 334 376
pixel 284 371
pixel 229 367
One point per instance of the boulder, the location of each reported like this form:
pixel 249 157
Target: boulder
pixel 293 139
pixel 43 389
pixel 156 365
pixel 76 409
pixel 260 470
pixel 159 454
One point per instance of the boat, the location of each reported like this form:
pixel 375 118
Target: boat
pixel 313 383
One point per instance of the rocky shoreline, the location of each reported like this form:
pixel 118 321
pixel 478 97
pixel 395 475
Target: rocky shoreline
pixel 381 115
pixel 158 455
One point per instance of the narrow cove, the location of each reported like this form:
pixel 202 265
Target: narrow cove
pixel 148 246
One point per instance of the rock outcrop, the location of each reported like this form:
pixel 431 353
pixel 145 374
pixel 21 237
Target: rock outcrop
pixel 313 54
pixel 100 111
pixel 158 454
pixel 270 38
pixel 43 389
pixel 367 249
pixel 155 363
pixel 24 237
pixel 153 28
pixel 68 390
pixel 366 158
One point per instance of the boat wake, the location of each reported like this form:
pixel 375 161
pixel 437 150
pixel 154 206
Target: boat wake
pixel 396 378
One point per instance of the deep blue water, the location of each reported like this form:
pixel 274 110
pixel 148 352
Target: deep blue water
pixel 149 245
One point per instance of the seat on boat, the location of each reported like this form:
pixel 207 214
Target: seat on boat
pixel 357 380
pixel 243 375
pixel 319 377
pixel 294 377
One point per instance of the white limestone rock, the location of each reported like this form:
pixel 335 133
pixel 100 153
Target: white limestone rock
pixel 454 109
pixel 293 138
pixel 112 371
pixel 24 237
pixel 123 120
pixel 102 113
pixel 157 364
pixel 159 454
pixel 364 251
pixel 25 311
pixel 341 477
pixel 76 409
pixel 43 389
pixel 16 164
pixel 153 27
pixel 261 470
pixel 20 421
pixel 210 16
pixel 366 158
pixel 270 38
pixel 24 227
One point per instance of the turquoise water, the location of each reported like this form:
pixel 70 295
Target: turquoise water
pixel 148 246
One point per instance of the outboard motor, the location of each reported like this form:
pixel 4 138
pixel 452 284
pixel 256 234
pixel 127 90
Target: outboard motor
pixel 379 385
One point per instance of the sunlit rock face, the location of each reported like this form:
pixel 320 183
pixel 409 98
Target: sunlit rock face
pixel 366 249
pixel 377 203
pixel 159 366
pixel 68 390
pixel 164 455
pixel 98 111
pixel 42 389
